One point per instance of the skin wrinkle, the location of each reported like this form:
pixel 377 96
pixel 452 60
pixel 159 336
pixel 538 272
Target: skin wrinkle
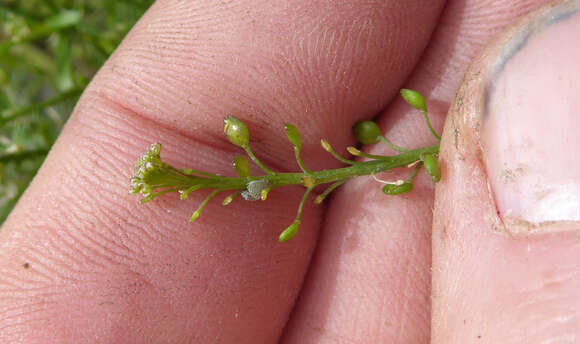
pixel 59 267
pixel 81 249
pixel 171 152
pixel 98 219
pixel 49 270
pixel 61 251
pixel 44 269
pixel 11 325
pixel 80 213
pixel 216 143
pixel 28 281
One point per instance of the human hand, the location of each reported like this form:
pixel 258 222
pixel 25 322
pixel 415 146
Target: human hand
pixel 82 261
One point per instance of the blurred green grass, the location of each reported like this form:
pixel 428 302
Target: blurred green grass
pixel 49 51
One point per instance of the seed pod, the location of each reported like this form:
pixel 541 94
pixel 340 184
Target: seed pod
pixel 432 167
pixel 414 98
pixel 236 131
pixel 394 189
pixel 242 166
pixel 293 135
pixel 289 232
pixel 366 132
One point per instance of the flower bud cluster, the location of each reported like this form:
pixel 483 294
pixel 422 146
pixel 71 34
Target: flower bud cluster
pixel 145 166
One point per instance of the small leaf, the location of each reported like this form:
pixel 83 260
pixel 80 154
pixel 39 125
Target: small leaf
pixel 414 98
pixel 63 19
pixel 366 132
pixel 242 166
pixel 397 189
pixel 432 167
pixel 293 135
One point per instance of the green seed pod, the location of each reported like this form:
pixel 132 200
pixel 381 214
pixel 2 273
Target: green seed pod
pixel 366 132
pixel 289 232
pixel 236 131
pixel 293 135
pixel 393 189
pixel 242 166
pixel 414 98
pixel 432 167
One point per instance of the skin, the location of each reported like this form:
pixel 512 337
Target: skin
pixel 82 261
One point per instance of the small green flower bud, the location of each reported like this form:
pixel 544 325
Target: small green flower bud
pixel 432 167
pixel 236 131
pixel 242 166
pixel 264 194
pixel 414 98
pixel 366 132
pixel 293 135
pixel 394 189
pixel 353 151
pixel 289 232
pixel 325 145
pixel 229 199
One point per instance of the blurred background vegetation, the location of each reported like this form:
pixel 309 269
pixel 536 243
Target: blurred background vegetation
pixel 49 50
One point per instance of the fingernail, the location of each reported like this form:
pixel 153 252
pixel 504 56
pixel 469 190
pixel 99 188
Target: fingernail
pixel 530 130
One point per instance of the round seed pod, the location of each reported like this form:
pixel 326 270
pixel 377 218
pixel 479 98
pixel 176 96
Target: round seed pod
pixel 366 132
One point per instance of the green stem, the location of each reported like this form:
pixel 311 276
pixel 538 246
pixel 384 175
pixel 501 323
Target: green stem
pixel 433 132
pixel 328 190
pixel 318 177
pixel 357 152
pixel 195 173
pixel 197 213
pixel 301 206
pixel 415 170
pixel 158 193
pixel 23 155
pixel 392 145
pixel 299 160
pixel 257 161
pixel 327 147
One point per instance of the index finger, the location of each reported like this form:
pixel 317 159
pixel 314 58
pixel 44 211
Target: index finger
pixel 82 260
